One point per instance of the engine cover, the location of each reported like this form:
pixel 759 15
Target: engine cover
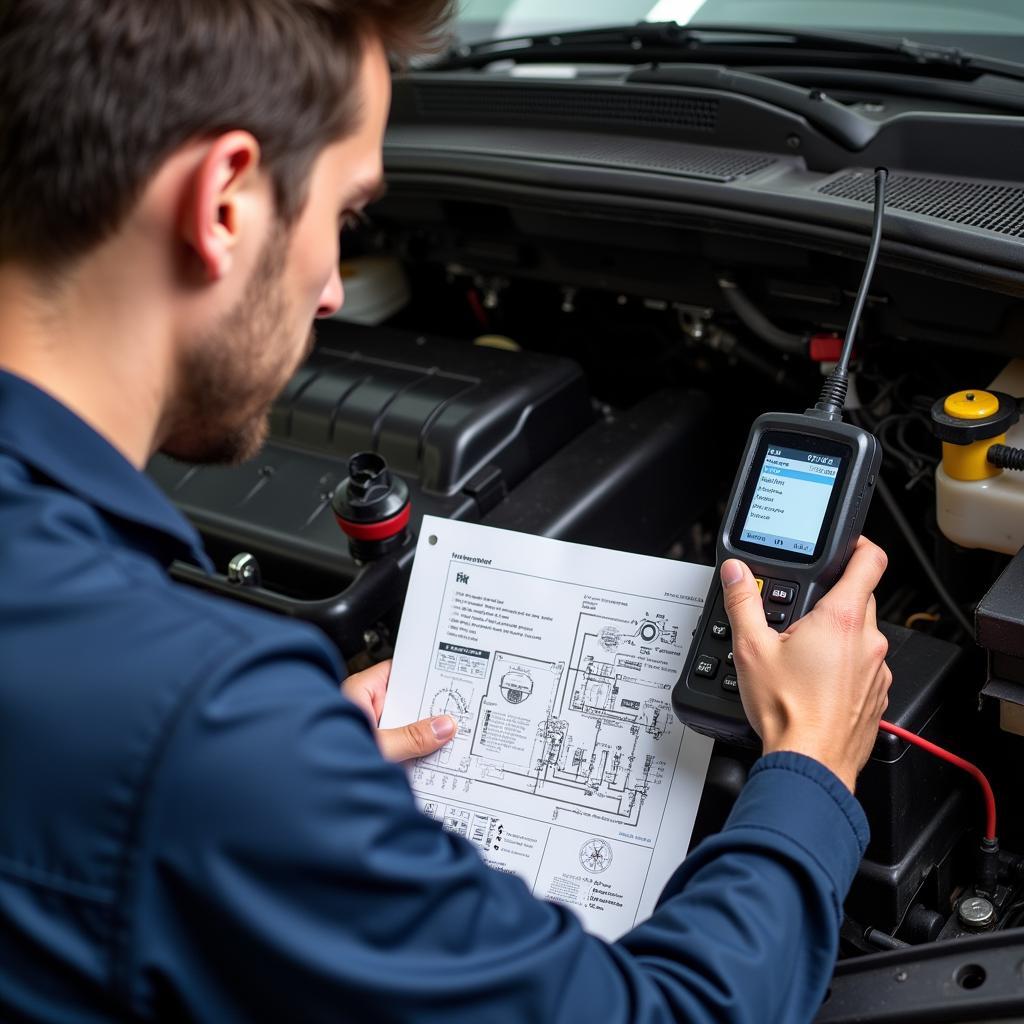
pixel 462 425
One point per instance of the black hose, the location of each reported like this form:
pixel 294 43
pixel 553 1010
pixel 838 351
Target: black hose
pixel 764 366
pixel 1006 457
pixel 757 323
pixel 883 940
pixel 919 553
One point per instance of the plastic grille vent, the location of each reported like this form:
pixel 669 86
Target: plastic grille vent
pixel 604 106
pixel 990 207
pixel 675 158
pixel 652 156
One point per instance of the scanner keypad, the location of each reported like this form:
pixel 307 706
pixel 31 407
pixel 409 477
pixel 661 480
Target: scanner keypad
pixel 715 653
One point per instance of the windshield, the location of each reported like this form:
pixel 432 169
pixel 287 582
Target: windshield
pixel 993 27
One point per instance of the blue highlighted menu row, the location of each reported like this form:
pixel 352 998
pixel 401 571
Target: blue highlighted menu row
pixel 792 474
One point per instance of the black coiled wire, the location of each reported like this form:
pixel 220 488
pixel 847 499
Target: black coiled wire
pixel 833 392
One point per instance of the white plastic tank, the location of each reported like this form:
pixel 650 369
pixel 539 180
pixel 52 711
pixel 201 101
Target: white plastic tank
pixel 376 288
pixel 987 513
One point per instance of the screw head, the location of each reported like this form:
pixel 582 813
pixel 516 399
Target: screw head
pixel 976 912
pixel 244 569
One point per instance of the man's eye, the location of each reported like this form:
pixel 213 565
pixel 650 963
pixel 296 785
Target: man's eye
pixel 349 219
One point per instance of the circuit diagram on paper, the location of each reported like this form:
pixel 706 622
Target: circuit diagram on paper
pixel 557 662
pixel 584 733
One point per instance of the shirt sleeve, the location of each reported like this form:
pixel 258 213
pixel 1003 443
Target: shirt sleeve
pixel 283 872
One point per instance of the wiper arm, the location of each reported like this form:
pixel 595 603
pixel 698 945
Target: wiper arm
pixel 962 60
pixel 644 41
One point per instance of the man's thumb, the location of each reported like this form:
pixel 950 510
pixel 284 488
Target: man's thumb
pixel 416 740
pixel 742 599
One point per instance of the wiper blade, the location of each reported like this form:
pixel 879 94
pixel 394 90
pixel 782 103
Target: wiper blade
pixel 667 40
pixel 644 35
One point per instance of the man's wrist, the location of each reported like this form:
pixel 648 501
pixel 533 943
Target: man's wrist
pixel 813 748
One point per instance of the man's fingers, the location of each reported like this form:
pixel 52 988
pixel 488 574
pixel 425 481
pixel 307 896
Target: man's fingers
pixel 744 608
pixel 369 688
pixel 379 675
pixel 871 613
pixel 862 575
pixel 361 697
pixel 416 740
pixel 882 682
pixel 884 678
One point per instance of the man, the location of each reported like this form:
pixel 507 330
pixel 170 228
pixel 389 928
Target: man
pixel 194 823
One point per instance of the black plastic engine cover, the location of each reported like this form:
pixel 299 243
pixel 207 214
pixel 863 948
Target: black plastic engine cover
pixel 461 424
pixel 510 439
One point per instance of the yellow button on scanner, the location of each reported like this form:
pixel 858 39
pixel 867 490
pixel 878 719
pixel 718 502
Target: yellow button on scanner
pixel 760 584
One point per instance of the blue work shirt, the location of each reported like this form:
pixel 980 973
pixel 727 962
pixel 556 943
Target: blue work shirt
pixel 195 824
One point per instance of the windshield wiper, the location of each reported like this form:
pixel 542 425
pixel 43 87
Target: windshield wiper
pixel 646 42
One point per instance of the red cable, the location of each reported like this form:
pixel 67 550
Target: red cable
pixel 974 770
pixel 477 307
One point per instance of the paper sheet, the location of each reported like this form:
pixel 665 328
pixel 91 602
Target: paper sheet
pixel 558 661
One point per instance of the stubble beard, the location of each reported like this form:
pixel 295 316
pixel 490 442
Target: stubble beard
pixel 231 377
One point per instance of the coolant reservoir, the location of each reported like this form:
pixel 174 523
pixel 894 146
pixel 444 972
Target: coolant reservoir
pixel 978 505
pixel 375 289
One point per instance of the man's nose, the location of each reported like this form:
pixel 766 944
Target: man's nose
pixel 332 297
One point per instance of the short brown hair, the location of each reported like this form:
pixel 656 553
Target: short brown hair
pixel 96 94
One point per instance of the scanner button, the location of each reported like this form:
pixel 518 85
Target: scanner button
pixel 728 657
pixel 760 584
pixel 730 685
pixel 780 594
pixel 705 666
pixel 775 618
pixel 720 630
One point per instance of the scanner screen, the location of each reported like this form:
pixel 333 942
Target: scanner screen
pixel 790 499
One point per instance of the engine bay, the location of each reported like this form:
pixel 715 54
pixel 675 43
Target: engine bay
pixel 556 324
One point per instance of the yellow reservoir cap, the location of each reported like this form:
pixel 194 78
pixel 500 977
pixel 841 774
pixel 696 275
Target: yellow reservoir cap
pixel 971 405
pixel 970 461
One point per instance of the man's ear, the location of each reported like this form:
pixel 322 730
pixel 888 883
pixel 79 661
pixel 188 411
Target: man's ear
pixel 220 203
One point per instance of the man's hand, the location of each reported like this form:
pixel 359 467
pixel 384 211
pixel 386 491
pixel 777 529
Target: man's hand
pixel 821 687
pixel 367 689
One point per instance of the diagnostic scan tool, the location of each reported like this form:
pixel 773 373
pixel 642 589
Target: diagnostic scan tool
pixel 796 509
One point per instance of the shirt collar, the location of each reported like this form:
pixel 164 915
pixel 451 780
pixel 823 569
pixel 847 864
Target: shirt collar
pixel 38 430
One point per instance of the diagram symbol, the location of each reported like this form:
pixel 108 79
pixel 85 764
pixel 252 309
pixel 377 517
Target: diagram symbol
pixel 516 687
pixel 648 632
pixel 450 702
pixel 596 855
pixel 609 638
